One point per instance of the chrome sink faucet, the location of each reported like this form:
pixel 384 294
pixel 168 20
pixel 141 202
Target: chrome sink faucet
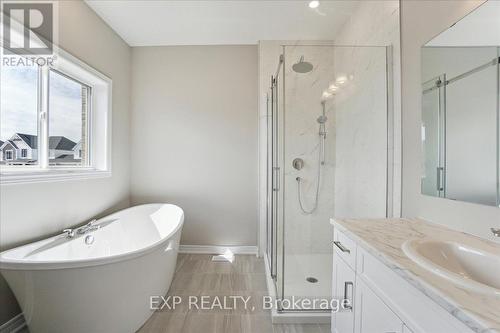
pixel 91 226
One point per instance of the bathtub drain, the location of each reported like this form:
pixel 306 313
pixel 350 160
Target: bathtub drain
pixel 311 279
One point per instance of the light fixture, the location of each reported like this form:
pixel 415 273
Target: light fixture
pixel 314 4
pixel 341 79
pixel 332 88
pixel 326 95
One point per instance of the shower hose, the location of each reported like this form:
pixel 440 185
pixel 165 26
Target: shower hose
pixel 299 180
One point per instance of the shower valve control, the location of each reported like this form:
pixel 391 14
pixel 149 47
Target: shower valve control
pixel 298 163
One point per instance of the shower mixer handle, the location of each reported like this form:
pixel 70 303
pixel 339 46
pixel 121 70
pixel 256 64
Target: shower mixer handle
pixel 298 163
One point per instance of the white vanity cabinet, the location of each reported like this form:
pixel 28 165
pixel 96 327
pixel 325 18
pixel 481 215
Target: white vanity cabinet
pixel 343 288
pixel 372 314
pixel 382 301
pixel 368 313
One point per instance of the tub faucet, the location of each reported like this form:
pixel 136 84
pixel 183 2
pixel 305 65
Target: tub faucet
pixel 88 227
pixel 69 233
pixel 495 231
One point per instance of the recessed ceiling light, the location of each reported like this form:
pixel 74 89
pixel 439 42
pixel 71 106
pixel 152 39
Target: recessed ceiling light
pixel 314 4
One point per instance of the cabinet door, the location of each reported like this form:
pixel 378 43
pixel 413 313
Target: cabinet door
pixel 373 315
pixel 343 288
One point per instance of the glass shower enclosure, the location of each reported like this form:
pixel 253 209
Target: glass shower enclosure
pixel 460 123
pixel 327 144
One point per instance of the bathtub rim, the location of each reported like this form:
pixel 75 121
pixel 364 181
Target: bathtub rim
pixel 25 265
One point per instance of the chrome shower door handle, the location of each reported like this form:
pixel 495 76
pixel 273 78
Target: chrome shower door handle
pixel 276 179
pixel 439 179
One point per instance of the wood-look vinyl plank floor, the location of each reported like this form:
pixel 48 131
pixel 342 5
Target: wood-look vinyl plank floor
pixel 197 275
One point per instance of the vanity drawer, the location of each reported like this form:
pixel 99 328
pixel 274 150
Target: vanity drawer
pixel 345 248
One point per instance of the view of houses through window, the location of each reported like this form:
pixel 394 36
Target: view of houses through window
pixel 18 112
pixel 68 116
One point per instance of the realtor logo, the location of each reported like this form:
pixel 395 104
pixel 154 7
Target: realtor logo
pixel 28 28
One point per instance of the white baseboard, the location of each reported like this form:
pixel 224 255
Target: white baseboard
pixel 215 249
pixel 14 325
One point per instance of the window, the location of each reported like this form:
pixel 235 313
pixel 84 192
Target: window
pixel 18 109
pixel 57 118
pixel 68 120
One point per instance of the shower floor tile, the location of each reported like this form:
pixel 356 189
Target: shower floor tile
pixel 299 267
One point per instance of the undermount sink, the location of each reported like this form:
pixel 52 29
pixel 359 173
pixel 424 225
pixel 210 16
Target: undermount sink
pixel 471 268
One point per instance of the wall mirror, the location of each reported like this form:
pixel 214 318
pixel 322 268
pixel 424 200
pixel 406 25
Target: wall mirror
pixel 460 109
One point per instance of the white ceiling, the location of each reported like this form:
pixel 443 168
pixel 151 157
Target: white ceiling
pixel 480 28
pixel 160 22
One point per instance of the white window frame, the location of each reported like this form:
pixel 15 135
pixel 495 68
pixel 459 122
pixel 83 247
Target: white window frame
pixel 11 155
pixel 24 150
pixel 99 124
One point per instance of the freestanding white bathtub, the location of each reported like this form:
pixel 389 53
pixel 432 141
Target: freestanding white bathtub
pixel 72 285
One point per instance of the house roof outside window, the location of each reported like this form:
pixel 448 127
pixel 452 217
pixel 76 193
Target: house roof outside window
pixel 31 140
pixel 60 143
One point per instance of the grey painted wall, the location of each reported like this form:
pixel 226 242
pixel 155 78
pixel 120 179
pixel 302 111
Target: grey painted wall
pixel 194 138
pixel 57 205
pixel 420 22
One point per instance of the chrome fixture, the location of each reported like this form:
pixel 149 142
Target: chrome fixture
pixel 322 119
pixel 298 163
pixel 89 239
pixel 322 131
pixel 88 227
pixel 302 66
pixel 495 231
pixel 69 233
pixel 91 226
pixel 311 279
pixel 341 247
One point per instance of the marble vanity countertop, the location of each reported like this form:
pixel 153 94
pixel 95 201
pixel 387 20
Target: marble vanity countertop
pixel 383 239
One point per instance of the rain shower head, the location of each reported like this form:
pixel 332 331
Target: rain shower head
pixel 302 66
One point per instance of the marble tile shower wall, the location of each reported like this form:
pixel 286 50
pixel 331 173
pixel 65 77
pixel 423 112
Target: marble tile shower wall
pixel 376 23
pixel 308 233
pixel 361 128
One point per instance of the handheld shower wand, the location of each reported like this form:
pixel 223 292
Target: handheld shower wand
pixel 321 161
pixel 322 132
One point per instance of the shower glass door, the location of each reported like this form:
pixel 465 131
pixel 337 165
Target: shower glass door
pixel 327 158
pixel 274 184
pixel 433 140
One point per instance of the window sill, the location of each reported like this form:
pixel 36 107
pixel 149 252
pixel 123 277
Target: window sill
pixel 42 176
